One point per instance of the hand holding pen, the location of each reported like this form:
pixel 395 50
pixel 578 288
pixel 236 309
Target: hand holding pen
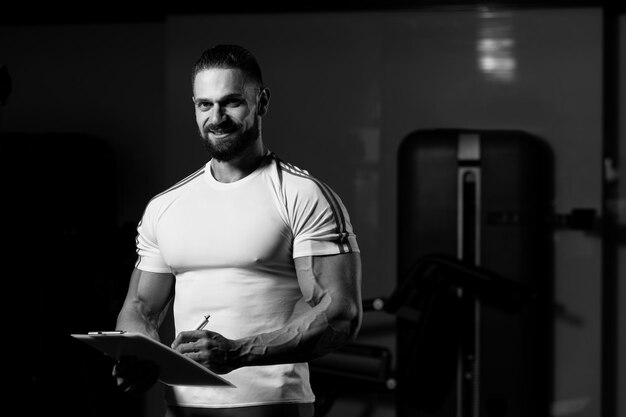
pixel 208 348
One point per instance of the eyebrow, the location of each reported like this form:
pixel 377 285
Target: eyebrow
pixel 233 96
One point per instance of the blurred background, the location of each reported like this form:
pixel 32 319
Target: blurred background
pixel 96 118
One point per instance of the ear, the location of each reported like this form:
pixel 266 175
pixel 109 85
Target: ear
pixel 264 101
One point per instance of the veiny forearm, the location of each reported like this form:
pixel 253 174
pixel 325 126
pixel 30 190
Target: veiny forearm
pixel 308 335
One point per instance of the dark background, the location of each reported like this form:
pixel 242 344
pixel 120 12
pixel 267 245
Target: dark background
pixel 96 123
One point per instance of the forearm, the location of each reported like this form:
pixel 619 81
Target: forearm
pixel 146 303
pixel 133 318
pixel 306 336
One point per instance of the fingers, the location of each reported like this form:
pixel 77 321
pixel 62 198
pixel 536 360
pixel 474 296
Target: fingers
pixel 190 336
pixel 205 347
pixel 134 376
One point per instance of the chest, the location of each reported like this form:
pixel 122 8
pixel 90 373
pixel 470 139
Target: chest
pixel 209 228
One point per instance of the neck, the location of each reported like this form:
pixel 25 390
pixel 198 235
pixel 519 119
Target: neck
pixel 240 166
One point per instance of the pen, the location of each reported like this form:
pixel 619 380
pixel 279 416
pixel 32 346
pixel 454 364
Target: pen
pixel 203 322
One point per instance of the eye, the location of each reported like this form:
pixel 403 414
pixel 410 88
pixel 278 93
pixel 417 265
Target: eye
pixel 203 105
pixel 234 102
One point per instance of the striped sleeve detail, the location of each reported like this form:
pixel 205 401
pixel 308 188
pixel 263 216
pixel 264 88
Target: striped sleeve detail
pixel 336 207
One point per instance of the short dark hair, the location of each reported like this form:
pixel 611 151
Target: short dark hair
pixel 229 56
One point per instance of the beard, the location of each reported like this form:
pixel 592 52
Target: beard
pixel 231 146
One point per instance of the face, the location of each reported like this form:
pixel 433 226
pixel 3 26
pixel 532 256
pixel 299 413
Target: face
pixel 227 110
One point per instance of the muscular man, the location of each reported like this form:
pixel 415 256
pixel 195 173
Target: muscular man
pixel 261 245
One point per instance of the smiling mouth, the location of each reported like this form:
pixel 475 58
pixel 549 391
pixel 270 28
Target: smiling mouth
pixel 222 131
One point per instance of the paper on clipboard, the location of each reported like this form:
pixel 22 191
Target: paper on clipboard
pixel 174 368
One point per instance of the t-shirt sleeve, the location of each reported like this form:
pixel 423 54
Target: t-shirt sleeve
pixel 148 254
pixel 320 222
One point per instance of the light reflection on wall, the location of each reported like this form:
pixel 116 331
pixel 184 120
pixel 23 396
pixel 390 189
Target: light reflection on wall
pixel 495 46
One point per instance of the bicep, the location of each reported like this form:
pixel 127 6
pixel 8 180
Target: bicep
pixel 333 281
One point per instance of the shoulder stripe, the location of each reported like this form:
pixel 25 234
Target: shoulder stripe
pixel 279 171
pixel 338 214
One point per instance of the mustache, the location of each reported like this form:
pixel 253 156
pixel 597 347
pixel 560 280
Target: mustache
pixel 224 126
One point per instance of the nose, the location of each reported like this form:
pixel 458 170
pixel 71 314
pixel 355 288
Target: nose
pixel 216 114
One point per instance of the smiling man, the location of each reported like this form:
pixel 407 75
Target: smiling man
pixel 261 245
pixel 224 104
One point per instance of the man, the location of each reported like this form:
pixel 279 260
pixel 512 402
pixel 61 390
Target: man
pixel 262 246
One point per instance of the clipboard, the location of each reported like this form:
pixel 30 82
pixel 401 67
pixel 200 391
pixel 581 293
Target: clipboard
pixel 174 368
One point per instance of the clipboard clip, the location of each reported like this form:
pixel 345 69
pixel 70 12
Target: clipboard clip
pixel 108 332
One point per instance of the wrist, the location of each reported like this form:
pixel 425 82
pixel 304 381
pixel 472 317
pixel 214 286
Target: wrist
pixel 246 352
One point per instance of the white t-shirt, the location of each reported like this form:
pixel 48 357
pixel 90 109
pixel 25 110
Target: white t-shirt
pixel 230 247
